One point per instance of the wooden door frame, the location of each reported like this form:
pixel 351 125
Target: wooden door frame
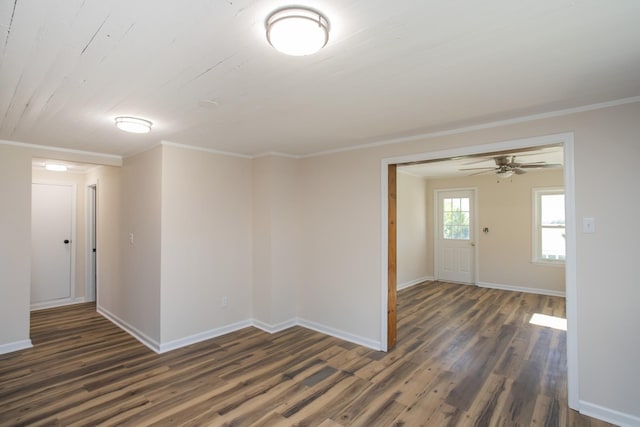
pixel 387 317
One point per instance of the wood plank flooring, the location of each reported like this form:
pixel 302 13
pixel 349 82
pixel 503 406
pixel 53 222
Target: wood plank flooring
pixel 465 356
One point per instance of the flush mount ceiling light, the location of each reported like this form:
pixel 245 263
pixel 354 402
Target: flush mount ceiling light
pixel 55 167
pixel 297 31
pixel 133 124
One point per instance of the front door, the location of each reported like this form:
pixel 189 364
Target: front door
pixel 455 236
pixel 51 211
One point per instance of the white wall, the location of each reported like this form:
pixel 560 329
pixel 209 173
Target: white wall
pixel 206 242
pixel 505 208
pixel 15 247
pixel 414 261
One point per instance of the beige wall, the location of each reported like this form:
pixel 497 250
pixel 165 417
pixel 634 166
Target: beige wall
pixel 136 298
pixel 276 240
pixel 80 243
pixel 206 241
pixel 413 254
pixel 15 247
pixel 109 236
pixel 341 242
pixel 342 235
pixel 505 208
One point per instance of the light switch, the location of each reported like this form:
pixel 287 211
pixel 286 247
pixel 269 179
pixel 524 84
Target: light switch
pixel 131 239
pixel 588 225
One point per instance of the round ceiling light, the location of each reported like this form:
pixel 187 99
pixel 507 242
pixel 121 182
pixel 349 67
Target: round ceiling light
pixel 133 124
pixel 55 167
pixel 297 31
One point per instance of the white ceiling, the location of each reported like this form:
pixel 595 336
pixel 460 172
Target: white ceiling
pixel 202 71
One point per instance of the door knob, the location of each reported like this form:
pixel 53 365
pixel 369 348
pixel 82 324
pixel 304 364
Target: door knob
pixel 66 241
pixel 473 244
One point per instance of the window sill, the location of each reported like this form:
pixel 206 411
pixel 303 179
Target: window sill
pixel 548 263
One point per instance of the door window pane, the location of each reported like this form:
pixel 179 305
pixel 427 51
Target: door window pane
pixel 455 224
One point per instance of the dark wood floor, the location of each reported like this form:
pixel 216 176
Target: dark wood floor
pixel 465 356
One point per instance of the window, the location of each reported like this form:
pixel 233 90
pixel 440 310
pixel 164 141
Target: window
pixel 455 213
pixel 549 244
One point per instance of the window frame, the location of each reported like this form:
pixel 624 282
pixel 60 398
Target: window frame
pixel 537 227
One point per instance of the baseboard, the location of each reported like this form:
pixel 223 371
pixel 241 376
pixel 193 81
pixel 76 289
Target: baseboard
pixel 57 303
pixel 609 415
pixel 131 330
pixel 272 329
pixel 414 282
pixel 203 336
pixel 15 346
pixel 213 333
pixel 520 289
pixel 375 345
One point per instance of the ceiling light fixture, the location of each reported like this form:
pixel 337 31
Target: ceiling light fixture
pixel 55 167
pixel 133 124
pixel 504 174
pixel 297 31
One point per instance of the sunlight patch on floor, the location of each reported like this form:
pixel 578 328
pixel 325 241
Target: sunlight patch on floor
pixel 549 321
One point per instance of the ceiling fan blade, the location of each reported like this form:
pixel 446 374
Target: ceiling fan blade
pixel 481 172
pixel 541 166
pixel 519 171
pixel 478 160
pixel 476 169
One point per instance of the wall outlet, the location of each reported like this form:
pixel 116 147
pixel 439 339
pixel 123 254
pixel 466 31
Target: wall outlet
pixel 225 301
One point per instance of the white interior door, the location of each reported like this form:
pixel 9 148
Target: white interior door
pixel 455 225
pixel 51 217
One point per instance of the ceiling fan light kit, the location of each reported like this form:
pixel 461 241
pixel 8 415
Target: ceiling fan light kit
pixel 297 31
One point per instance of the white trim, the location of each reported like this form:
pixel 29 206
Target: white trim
pixel 414 282
pixel 489 125
pixel 216 332
pixel 278 327
pixel 536 226
pixel 567 141
pixel 515 288
pixel 276 154
pixel 109 159
pixel 609 415
pixel 131 330
pixel 57 303
pixel 204 149
pixel 372 344
pixel 15 346
pixel 90 288
pixel 203 336
pixel 571 285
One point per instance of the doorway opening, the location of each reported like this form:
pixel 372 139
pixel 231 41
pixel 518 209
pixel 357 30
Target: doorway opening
pixel 64 223
pixel 389 250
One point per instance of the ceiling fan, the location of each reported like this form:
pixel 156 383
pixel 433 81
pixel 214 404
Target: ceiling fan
pixel 506 166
